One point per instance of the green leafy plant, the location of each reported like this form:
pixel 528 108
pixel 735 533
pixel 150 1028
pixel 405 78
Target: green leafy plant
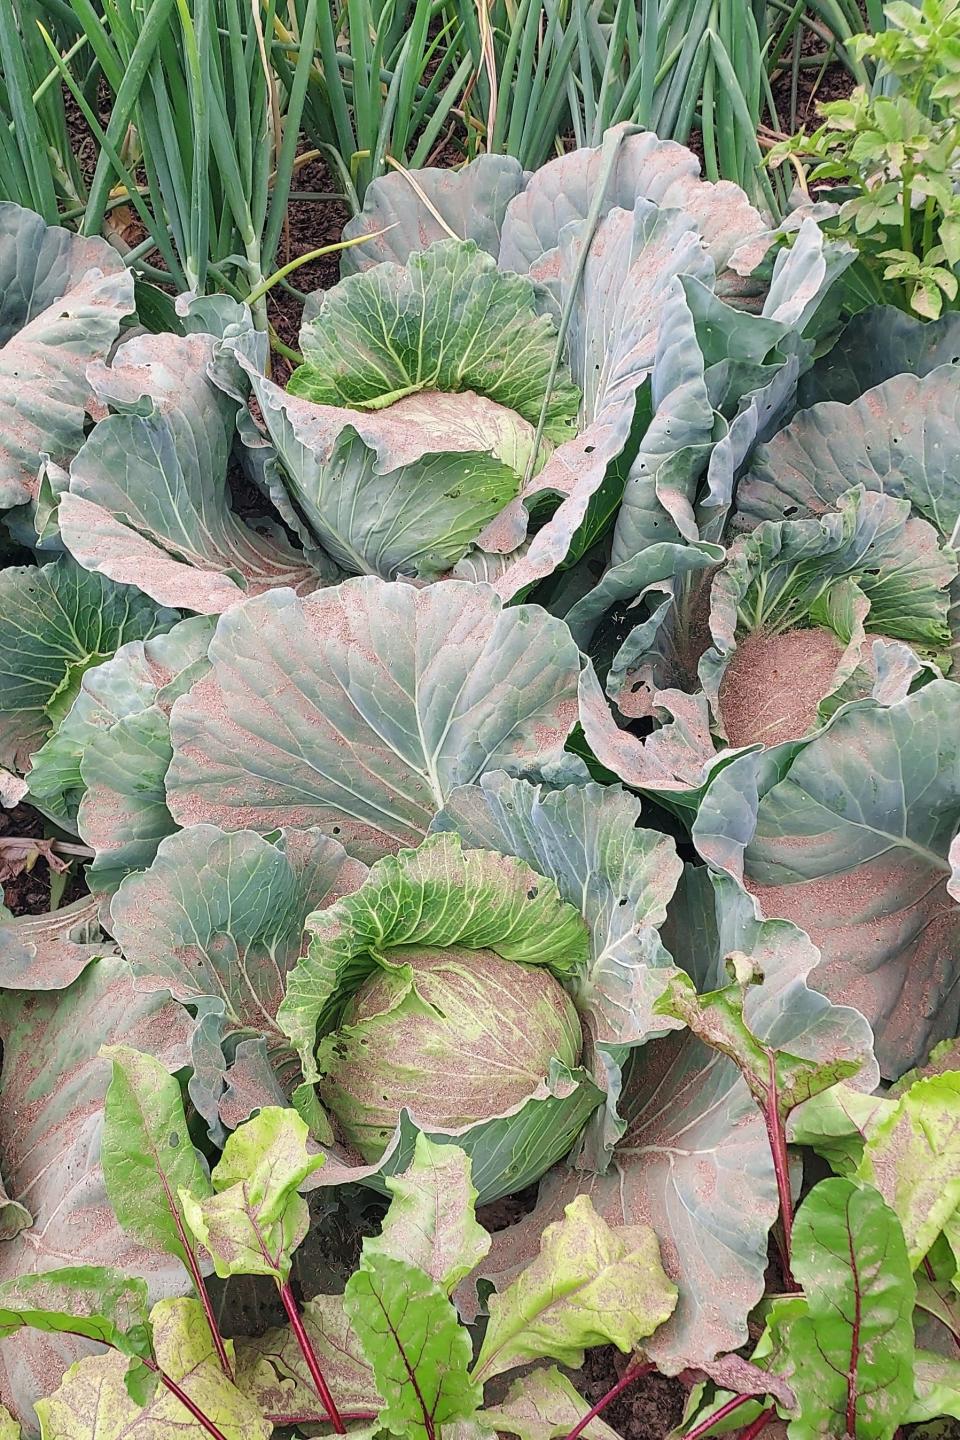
pixel 400 1334
pixel 197 144
pixel 892 155
pixel 874 1256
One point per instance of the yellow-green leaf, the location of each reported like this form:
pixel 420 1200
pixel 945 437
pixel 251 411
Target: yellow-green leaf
pixel 590 1285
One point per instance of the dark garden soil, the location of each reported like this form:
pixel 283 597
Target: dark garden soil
pixel 311 224
pixel 647 1410
pixel 815 86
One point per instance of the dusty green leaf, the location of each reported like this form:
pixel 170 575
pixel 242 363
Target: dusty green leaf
pixel 542 1406
pixel 590 1285
pixel 432 685
pixel 64 297
pixel 410 1331
pixel 431 1223
pixel 852 1350
pixel 88 1300
pixel 48 951
pixel 848 836
pixel 56 622
pixel 936 1387
pixel 912 1157
pixel 149 500
pixel 92 1402
pixel 397 219
pixel 51 1121
pixel 146 1153
pixel 271 1368
pixel 219 918
pixel 256 1219
pixel 717 1018
pixel 877 344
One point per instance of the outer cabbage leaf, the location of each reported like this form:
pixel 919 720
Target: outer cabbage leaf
pixel 56 622
pixel 51 1118
pixel 89 1300
pixel 876 345
pixel 107 763
pixel 360 708
pixel 109 694
pixel 644 167
pixel 661 483
pixel 402 491
pixel 612 345
pixel 467 204
pixel 721 378
pixel 900 438
pixel 448 320
pixel 848 834
pixel 48 952
pixel 676 762
pixel 646 292
pixel 219 919
pixel 148 502
pixel 62 299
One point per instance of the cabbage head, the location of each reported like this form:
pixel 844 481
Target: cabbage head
pixel 441 991
pixel 448 1034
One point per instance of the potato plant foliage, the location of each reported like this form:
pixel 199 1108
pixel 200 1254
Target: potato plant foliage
pixel 550 778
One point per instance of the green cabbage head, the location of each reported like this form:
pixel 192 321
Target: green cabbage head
pixel 444 1033
pixel 440 991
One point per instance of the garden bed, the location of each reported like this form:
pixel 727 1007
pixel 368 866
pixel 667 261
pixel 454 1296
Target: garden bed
pixel 478 715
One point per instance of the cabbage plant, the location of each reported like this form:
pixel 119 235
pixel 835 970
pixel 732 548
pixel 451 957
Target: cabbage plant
pixel 469 390
pixel 823 648
pixel 454 1009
